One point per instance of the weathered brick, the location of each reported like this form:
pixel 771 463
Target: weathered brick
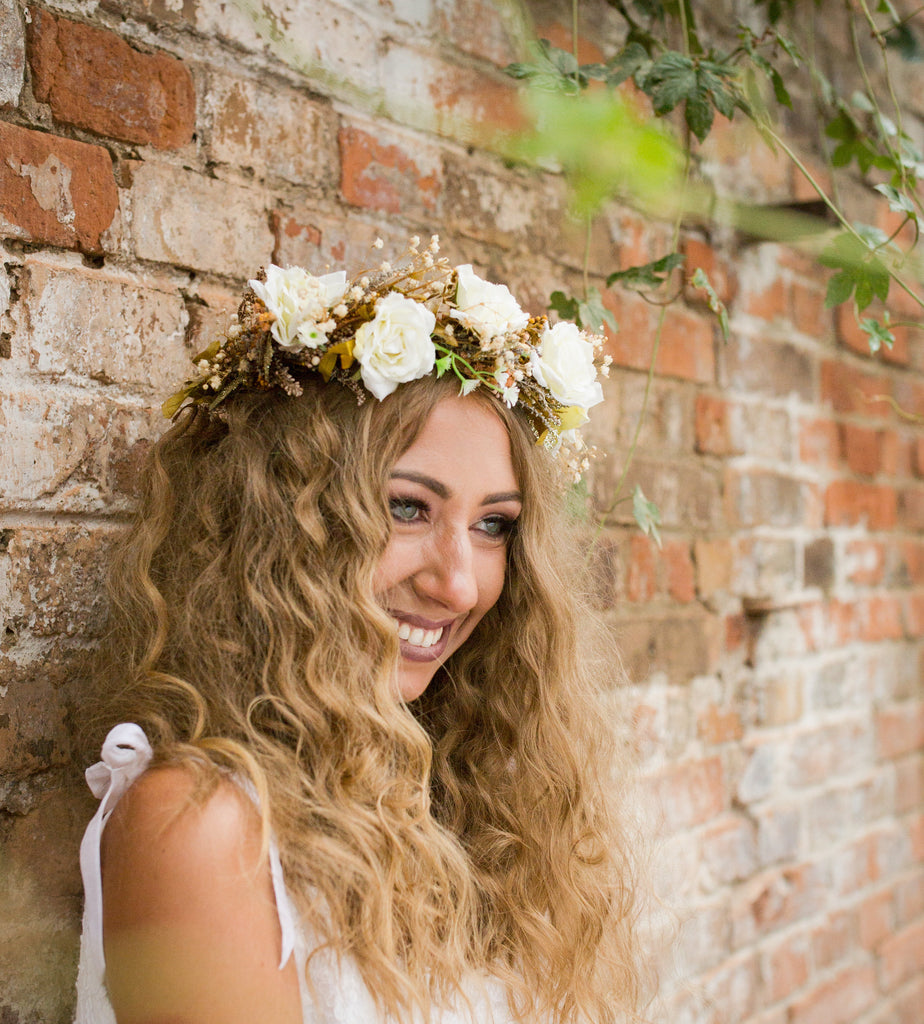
pixel 833 940
pixel 852 502
pixel 860 449
pixel 900 729
pixel 690 793
pixel 901 956
pixel 700 255
pixel 911 508
pixel 641 572
pixel 389 172
pixel 93 79
pixel 778 698
pixel 12 53
pixel 66 452
pixel 679 646
pixel 272 130
pixel 425 91
pixel 760 498
pixel 477 27
pixel 319 240
pixel 785 967
pixel 55 190
pixel 728 849
pixel 818 563
pixel 714 560
pixel 819 443
pixel 232 237
pixel 816 755
pixel 103 325
pixel 769 367
pixel 840 1000
pixel 714 433
pixel 850 391
pixel 864 562
pixel 678 565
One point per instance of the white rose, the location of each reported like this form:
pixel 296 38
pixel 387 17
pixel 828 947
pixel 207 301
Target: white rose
pixel 299 302
pixel 564 363
pixel 487 309
pixel 395 347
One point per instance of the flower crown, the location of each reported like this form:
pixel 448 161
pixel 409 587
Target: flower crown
pixel 400 323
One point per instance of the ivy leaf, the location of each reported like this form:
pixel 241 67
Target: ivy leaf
pixel 631 60
pixel 670 79
pixel 649 275
pixel 879 334
pixel 898 203
pixel 701 280
pixel 593 315
pixel 647 515
pixel 699 114
pixel 566 306
pixel 860 270
pixel 553 69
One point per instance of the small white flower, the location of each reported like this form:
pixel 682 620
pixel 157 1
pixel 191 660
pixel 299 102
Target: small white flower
pixel 487 309
pixel 469 385
pixel 299 302
pixel 395 347
pixel 564 363
pixel 507 384
pixel 378 244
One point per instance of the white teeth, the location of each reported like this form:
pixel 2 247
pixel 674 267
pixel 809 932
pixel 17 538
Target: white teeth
pixel 418 637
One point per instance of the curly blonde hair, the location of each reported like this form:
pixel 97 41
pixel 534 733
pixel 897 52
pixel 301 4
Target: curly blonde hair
pixel 476 829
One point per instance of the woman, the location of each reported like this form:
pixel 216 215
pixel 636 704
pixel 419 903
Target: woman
pixel 349 622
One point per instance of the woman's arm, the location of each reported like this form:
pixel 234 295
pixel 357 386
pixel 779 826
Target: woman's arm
pixel 190 926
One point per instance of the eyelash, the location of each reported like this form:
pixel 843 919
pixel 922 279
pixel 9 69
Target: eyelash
pixel 505 525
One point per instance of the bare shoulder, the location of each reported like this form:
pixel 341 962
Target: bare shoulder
pixel 187 887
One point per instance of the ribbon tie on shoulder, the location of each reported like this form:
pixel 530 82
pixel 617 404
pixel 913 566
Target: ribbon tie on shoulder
pixel 125 755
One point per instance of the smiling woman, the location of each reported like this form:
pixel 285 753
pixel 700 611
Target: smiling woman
pixel 369 777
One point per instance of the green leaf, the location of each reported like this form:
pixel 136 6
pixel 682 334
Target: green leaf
pixel 628 62
pixel 647 515
pixel 566 306
pixel 576 500
pixel 898 202
pixel 840 288
pixel 701 280
pixel 879 334
pixel 779 89
pixel 699 114
pixel 593 315
pixel 443 364
pixel 648 275
pixel 670 79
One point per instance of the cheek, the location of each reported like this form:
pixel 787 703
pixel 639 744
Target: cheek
pixel 389 570
pixel 492 582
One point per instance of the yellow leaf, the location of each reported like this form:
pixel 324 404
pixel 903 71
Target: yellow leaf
pixel 343 349
pixel 572 417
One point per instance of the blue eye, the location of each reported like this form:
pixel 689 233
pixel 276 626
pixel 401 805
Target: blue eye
pixel 407 510
pixel 498 526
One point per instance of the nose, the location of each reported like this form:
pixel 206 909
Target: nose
pixel 447 573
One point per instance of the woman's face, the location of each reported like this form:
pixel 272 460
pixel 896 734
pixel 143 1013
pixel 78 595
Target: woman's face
pixel 454 499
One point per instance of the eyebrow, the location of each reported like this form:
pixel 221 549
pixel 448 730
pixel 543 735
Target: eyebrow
pixel 442 491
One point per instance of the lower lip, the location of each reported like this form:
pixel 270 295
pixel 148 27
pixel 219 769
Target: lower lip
pixel 412 653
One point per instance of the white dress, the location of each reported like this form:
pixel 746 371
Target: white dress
pixel 340 995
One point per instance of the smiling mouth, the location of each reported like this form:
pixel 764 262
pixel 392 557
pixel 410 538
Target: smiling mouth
pixel 419 642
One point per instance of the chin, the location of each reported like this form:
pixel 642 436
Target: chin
pixel 412 681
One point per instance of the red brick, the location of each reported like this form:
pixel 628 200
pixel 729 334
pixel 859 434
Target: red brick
pixel 875 919
pixel 909 783
pixel 690 793
pixel 864 562
pixel 902 956
pixel 917 458
pixel 914 616
pixel 883 618
pixel 819 443
pixel 851 391
pixel 853 503
pixel 860 449
pixel 768 367
pixel 916 834
pixel 686 348
pixel 700 255
pixel 911 508
pixel 55 190
pixel 900 729
pixel 381 174
pixel 809 313
pixel 833 940
pixel 912 555
pixel 714 563
pixel 714 427
pixel 840 1000
pixel 769 303
pixel 719 725
pixel 478 28
pixel 786 968
pixel 909 898
pixel 93 79
pixel 676 558
pixel 641 575
pixel 762 498
pixel 680 645
pixel 895 454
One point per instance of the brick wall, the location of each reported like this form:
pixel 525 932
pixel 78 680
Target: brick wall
pixel 154 153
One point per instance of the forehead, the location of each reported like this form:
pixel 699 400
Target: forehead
pixel 465 438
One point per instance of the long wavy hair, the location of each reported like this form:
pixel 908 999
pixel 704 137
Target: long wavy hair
pixel 475 830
